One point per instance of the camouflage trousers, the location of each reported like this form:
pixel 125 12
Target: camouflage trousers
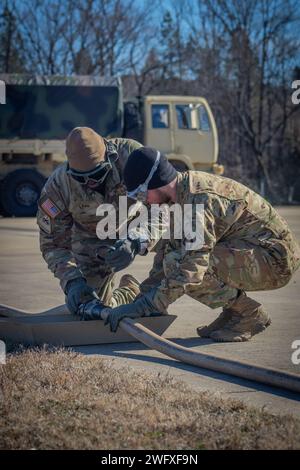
pixel 101 278
pixel 110 296
pixel 237 265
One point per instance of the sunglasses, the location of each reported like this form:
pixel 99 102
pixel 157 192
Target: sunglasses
pixel 97 175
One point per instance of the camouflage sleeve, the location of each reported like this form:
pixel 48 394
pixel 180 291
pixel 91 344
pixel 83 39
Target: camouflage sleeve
pixel 126 146
pixel 149 226
pixel 55 223
pixel 132 145
pixel 184 265
pixel 156 274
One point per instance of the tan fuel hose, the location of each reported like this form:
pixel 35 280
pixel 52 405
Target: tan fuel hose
pixel 244 370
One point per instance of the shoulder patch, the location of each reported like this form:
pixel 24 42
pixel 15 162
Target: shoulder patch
pixel 50 208
pixel 45 223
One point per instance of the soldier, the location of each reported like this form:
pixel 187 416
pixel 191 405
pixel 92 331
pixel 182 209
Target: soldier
pixel 247 247
pixel 67 219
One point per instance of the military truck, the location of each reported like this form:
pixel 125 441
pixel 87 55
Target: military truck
pixel 40 111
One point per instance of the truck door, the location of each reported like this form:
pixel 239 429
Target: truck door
pixel 195 133
pixel 158 129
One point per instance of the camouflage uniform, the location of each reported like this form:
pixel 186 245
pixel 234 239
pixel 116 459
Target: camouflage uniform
pixel 247 246
pixel 67 220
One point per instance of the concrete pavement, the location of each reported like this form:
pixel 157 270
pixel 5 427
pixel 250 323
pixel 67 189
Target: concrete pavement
pixel 26 283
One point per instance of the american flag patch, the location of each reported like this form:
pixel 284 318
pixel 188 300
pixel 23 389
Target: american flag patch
pixel 50 208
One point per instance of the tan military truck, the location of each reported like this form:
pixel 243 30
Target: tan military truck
pixel 40 111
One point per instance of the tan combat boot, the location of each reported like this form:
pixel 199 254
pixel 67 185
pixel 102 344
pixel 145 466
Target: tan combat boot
pixel 243 319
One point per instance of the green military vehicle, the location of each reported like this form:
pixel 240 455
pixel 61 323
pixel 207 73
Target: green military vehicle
pixel 40 111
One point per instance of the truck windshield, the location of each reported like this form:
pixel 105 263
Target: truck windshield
pixel 187 117
pixel 192 116
pixel 160 116
pixel 204 119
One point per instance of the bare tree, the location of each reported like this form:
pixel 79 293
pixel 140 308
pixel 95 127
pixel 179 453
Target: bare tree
pixel 255 45
pixel 11 57
pixel 41 26
pixel 240 54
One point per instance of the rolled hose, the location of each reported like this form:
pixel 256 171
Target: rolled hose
pixel 244 370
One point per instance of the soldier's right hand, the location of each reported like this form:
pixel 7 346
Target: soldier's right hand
pixel 122 254
pixel 78 292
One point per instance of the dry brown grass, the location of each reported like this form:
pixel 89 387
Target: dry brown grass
pixel 62 400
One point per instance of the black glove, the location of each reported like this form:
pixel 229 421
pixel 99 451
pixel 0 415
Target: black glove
pixel 78 292
pixel 91 310
pixel 139 308
pixel 121 254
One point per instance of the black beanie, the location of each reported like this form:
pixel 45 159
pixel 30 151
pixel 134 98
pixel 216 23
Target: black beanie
pixel 139 165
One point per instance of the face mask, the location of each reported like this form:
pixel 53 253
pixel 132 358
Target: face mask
pixel 140 193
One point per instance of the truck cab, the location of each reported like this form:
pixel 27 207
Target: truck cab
pixel 40 111
pixel 182 127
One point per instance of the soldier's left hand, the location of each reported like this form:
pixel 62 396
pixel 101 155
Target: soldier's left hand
pixel 140 308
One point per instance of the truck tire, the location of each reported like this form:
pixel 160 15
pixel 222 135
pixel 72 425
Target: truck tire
pixel 20 191
pixel 2 211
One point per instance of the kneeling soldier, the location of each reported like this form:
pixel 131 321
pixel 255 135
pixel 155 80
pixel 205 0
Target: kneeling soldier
pixel 67 219
pixel 247 247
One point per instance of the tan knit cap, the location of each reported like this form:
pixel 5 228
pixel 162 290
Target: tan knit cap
pixel 84 149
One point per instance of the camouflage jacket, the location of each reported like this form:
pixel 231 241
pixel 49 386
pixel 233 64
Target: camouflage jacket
pixel 231 211
pixel 67 214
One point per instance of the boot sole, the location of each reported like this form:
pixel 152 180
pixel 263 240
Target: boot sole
pixel 259 328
